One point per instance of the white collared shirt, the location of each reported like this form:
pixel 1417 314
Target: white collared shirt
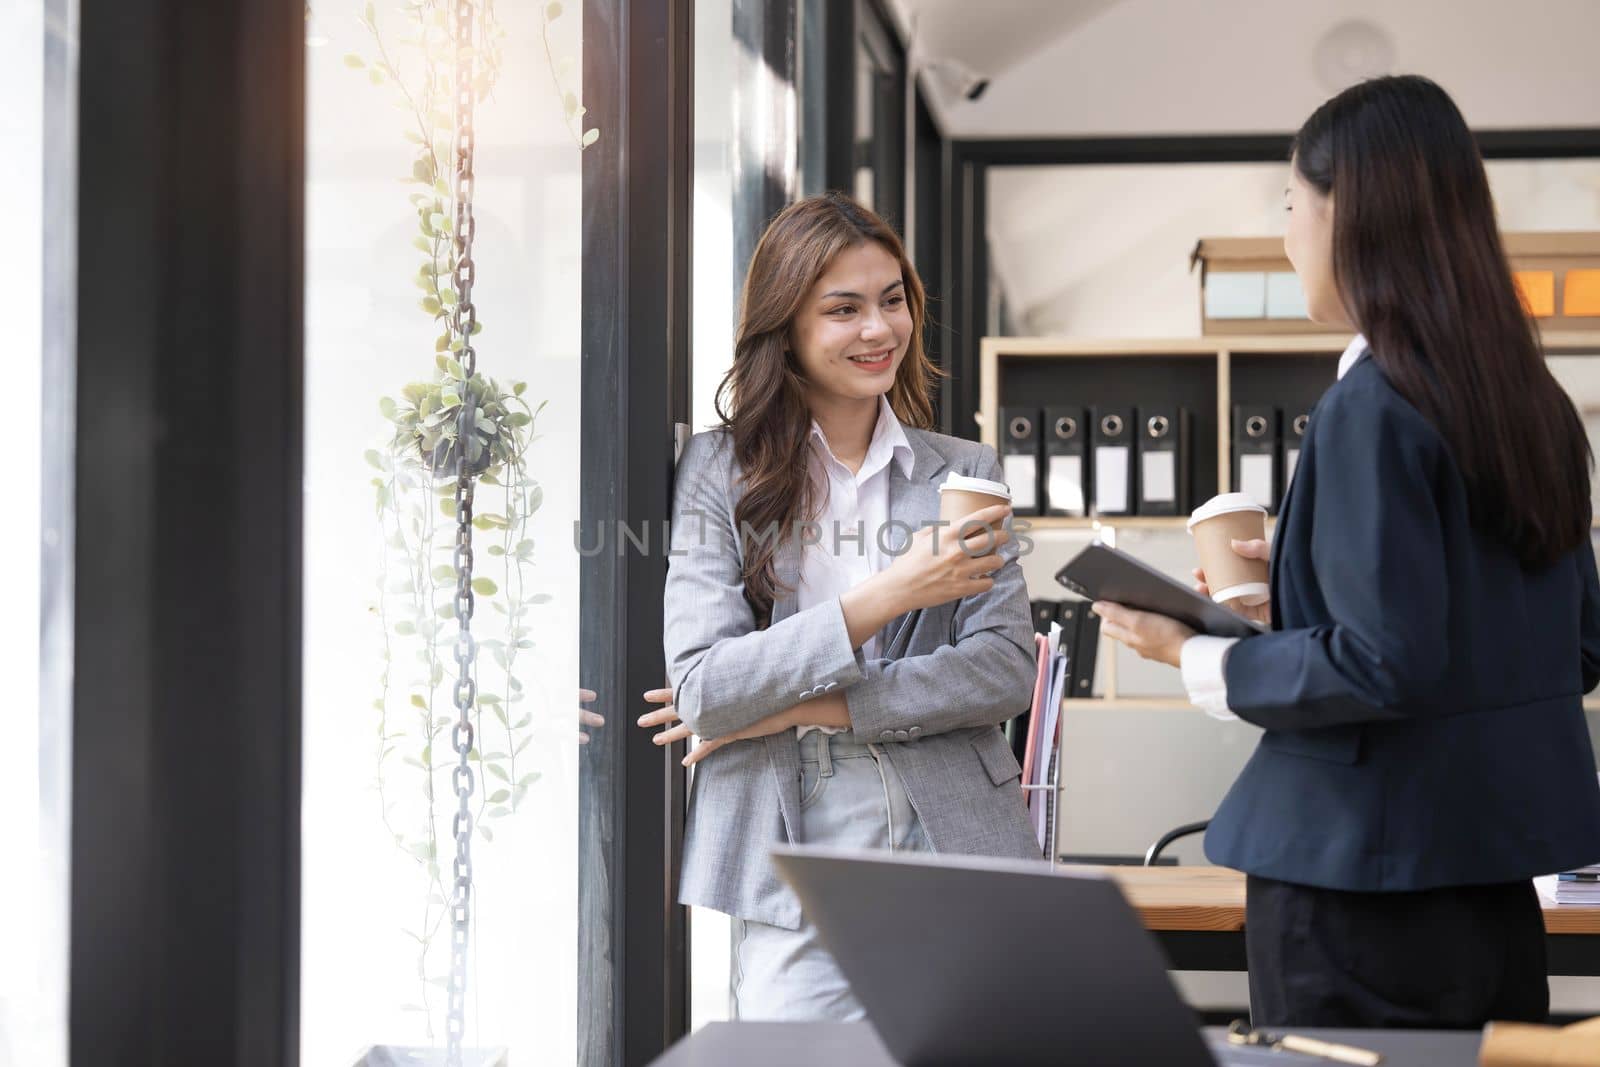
pixel 1202 657
pixel 852 510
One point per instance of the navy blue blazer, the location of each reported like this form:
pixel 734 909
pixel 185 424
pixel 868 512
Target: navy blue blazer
pixel 1421 691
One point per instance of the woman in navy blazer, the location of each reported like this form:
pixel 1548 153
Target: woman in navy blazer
pixel 1435 609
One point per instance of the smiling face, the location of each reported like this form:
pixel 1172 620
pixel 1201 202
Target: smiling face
pixel 1309 246
pixel 853 328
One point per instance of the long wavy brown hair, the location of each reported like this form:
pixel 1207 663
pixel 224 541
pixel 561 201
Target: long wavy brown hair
pixel 762 399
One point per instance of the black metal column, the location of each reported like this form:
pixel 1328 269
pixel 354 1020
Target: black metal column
pixel 186 692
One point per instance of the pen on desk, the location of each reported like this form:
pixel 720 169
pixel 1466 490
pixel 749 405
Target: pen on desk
pixel 1240 1033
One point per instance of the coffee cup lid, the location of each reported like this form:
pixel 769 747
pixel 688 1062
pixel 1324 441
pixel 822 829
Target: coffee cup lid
pixel 961 483
pixel 1221 505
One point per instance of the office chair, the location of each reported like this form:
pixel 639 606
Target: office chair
pixel 1153 856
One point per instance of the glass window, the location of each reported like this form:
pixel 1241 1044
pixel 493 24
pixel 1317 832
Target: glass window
pixel 39 66
pixel 385 386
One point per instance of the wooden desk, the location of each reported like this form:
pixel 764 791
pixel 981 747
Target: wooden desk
pixel 1198 915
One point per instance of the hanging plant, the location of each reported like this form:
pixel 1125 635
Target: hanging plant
pixel 433 685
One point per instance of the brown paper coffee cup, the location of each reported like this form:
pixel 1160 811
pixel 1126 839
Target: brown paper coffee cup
pixel 960 496
pixel 1216 524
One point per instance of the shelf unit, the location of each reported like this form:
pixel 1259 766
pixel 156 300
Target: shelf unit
pixel 996 354
pixel 1233 357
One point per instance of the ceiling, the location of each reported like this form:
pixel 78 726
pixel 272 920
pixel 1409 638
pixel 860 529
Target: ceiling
pixel 1064 68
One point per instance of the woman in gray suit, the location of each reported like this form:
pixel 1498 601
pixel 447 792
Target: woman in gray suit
pixel 844 665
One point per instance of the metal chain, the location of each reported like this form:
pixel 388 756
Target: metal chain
pixel 463 321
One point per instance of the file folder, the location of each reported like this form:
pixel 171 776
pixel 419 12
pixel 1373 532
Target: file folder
pixel 1085 652
pixel 1115 490
pixel 1294 434
pixel 1164 461
pixel 1066 481
pixel 1255 454
pixel 1019 455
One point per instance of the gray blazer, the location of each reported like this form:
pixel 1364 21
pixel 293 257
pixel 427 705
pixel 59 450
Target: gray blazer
pixel 944 678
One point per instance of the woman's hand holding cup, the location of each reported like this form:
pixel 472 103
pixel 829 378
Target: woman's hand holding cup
pixel 1257 549
pixel 1230 537
pixel 939 564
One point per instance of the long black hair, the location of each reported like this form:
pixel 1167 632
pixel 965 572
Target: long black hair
pixel 1418 260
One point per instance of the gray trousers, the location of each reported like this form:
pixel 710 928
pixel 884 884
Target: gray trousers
pixel 851 797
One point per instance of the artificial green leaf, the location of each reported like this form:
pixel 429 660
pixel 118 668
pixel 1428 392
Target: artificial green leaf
pixel 354 61
pixel 500 796
pixel 488 834
pixel 516 390
pixel 488 698
pixel 417 701
pixel 528 779
pixel 430 304
pixel 484 587
pixel 444 572
pixel 374 459
pixel 427 753
pixel 386 407
pixel 496 550
pixel 540 598
pixel 499 772
pixel 405 629
pixel 496 813
pixel 552 10
pixel 590 138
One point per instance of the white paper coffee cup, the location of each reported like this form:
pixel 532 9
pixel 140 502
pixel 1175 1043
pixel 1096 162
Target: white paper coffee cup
pixel 961 495
pixel 1215 525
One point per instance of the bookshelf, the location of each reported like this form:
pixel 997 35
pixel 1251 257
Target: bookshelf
pixel 1208 374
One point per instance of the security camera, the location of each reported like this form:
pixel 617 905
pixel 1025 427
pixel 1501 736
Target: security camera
pixel 960 77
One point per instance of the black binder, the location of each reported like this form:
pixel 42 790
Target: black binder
pixel 1085 652
pixel 1019 454
pixel 1044 613
pixel 1114 478
pixel 1255 455
pixel 1294 435
pixel 1066 469
pixel 1164 461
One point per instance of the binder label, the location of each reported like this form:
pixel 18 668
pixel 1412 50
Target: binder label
pixel 1023 480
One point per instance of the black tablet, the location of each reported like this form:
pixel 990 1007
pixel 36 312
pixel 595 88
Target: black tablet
pixel 1101 572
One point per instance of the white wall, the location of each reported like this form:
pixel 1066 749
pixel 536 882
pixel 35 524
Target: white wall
pixel 1103 251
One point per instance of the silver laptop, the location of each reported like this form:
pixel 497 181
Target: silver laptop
pixel 962 960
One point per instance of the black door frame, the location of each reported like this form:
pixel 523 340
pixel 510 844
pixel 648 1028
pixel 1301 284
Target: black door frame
pixel 638 183
pixel 963 280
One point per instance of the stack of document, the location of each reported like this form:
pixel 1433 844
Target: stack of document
pixel 1044 733
pixel 1581 886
